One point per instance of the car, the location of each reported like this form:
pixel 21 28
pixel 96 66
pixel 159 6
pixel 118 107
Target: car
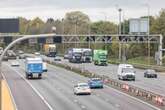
pixel 37 53
pixel 57 58
pixel 11 54
pixel 82 88
pixel 20 52
pixel 95 83
pixel 66 56
pixel 150 73
pixel 14 63
pixel 5 58
pixel 21 56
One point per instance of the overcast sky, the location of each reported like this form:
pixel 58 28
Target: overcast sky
pixel 96 9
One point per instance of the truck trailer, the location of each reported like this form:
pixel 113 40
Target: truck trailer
pixel 50 50
pixel 33 66
pixel 100 57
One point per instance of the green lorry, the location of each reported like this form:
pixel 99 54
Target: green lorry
pixel 100 57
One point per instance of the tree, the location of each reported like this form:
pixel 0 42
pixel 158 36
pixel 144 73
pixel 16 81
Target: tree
pixel 158 26
pixel 125 27
pixel 103 27
pixel 76 22
pixel 34 26
pixel 23 23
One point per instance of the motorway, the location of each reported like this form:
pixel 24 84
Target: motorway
pixel 155 85
pixel 55 92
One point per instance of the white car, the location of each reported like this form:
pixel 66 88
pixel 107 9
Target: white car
pixel 37 53
pixel 14 63
pixel 82 88
pixel 57 58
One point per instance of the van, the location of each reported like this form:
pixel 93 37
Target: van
pixel 126 72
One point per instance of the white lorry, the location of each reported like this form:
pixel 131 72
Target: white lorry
pixel 126 72
pixel 33 66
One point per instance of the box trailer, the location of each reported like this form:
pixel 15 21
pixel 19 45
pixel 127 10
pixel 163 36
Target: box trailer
pixel 33 66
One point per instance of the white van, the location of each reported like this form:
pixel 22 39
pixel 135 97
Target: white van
pixel 44 66
pixel 126 72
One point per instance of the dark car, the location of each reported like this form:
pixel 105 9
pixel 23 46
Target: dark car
pixel 95 83
pixel 150 73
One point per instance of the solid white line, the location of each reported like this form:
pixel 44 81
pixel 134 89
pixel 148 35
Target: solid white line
pixel 15 106
pixel 37 92
pixel 141 101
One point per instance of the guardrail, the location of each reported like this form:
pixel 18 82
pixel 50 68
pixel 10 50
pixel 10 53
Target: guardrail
pixel 148 96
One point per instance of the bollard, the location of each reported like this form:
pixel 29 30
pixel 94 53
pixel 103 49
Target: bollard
pixel 137 92
pixel 127 88
pixel 160 101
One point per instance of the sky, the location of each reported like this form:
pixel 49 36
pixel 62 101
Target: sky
pixel 95 9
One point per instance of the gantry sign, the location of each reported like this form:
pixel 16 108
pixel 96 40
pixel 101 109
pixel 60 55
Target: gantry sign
pixel 95 38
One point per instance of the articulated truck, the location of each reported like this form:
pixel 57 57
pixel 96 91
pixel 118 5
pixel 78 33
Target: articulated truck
pixel 100 57
pixel 80 55
pixel 75 55
pixel 86 55
pixel 50 50
pixel 33 67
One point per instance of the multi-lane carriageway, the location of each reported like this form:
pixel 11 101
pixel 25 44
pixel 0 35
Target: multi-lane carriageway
pixel 55 92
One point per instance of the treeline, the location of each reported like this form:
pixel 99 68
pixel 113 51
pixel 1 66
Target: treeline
pixel 79 23
pixel 73 23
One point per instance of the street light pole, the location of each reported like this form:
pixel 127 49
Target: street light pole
pixel 12 44
pixel 148 30
pixel 119 32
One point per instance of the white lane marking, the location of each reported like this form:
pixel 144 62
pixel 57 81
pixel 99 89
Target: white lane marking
pixel 37 92
pixel 75 101
pixel 156 108
pixel 10 92
pixel 117 105
pixel 83 107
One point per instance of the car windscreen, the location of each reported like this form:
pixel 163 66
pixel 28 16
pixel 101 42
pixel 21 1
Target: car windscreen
pixel 84 85
pixel 96 79
pixel 128 70
pixel 103 56
pixel 151 71
pixel 88 53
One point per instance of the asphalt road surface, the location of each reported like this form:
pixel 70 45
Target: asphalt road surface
pixel 152 84
pixel 56 88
